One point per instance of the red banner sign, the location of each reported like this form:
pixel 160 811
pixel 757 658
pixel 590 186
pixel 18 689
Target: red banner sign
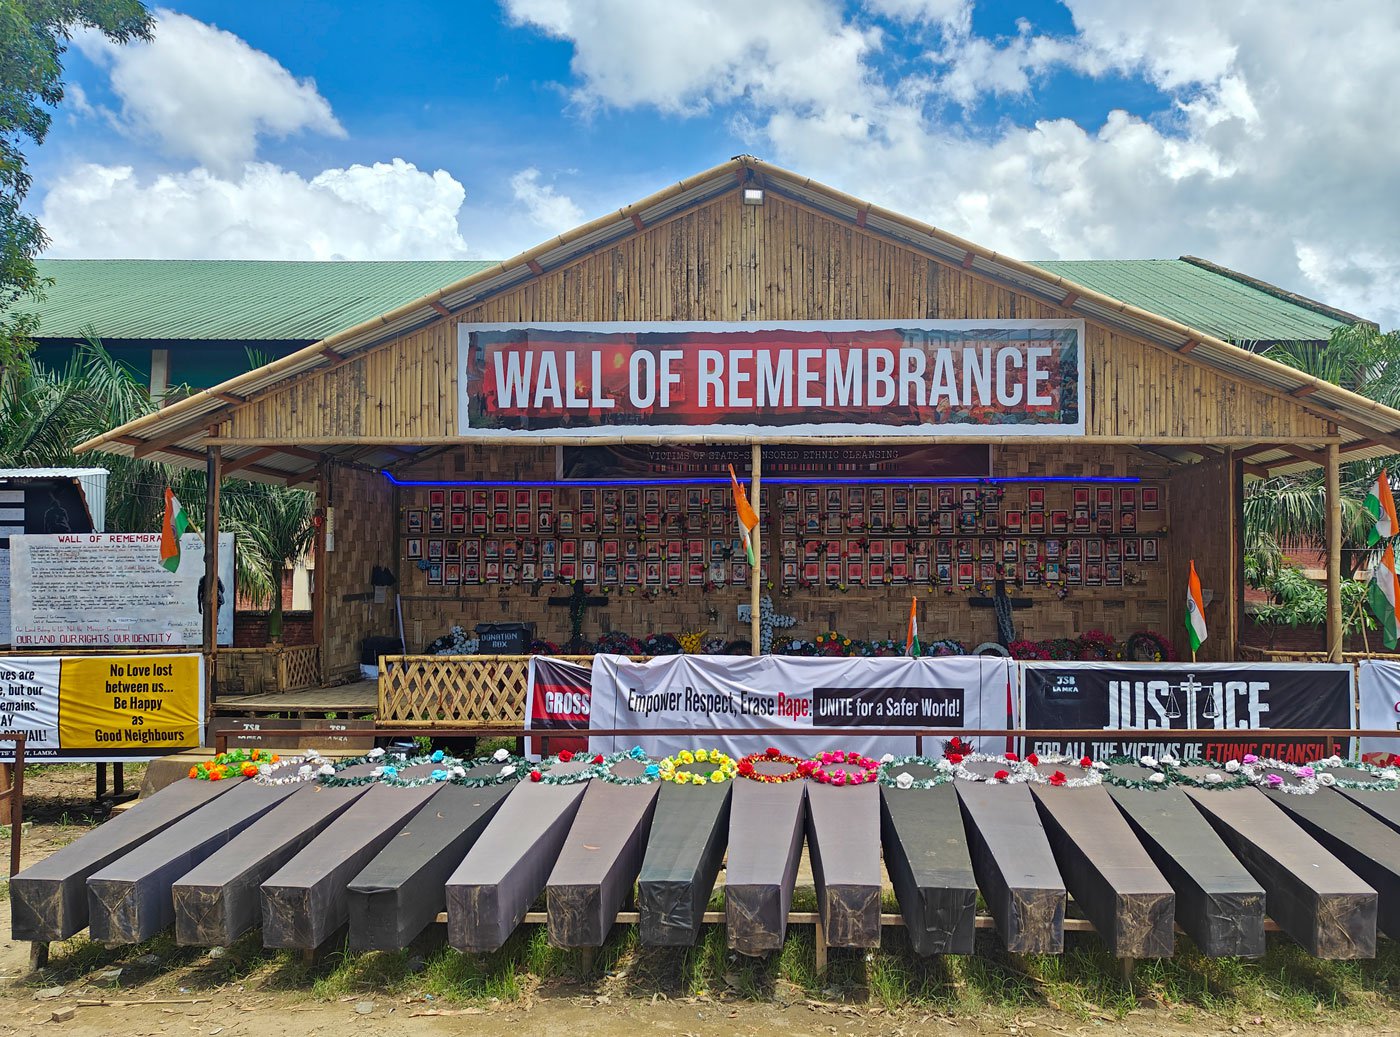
pixel 916 378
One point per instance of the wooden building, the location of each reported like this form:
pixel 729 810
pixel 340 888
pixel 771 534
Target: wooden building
pixel 1170 424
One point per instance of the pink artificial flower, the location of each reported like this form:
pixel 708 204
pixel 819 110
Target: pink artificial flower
pixel 1250 758
pixel 1274 781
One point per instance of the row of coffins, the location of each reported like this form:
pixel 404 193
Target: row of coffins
pixel 380 846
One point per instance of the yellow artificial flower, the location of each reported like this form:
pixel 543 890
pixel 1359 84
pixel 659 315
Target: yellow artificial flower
pixel 701 756
pixel 698 779
pixel 717 776
pixel 687 756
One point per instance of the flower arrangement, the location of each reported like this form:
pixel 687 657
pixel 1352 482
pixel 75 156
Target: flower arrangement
pixel 1148 646
pixel 455 642
pixel 1268 773
pixel 512 768
pixel 1232 778
pixel 943 771
pixel 236 763
pixel 947 646
pixel 542 773
pixel 539 646
pixel 1011 770
pixel 866 768
pixel 714 645
pixel 958 747
pixel 650 771
pixel 746 768
pixel 616 643
pixel 1028 650
pixel 1069 773
pixel 1096 645
pixel 661 644
pixel 831 643
pixel 1385 779
pixel 1060 649
pixel 692 641
pixel 724 767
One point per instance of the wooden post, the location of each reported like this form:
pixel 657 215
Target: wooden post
pixel 1334 549
pixel 756 570
pixel 213 470
pixel 1234 553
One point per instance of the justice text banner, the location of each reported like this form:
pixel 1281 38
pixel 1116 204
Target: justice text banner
pixel 1000 378
pixel 736 693
pixel 1378 686
pixel 95 708
pixel 1251 706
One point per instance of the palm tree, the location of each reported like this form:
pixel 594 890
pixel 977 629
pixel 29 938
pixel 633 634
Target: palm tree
pixel 274 529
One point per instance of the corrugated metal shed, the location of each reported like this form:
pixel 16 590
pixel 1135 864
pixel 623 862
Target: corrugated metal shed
pixel 92 481
pixel 230 300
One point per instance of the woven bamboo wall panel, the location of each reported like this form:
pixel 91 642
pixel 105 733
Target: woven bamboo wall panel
pixel 728 261
pixel 364 538
pixel 1200 505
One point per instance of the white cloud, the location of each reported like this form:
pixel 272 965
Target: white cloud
pixel 390 210
pixel 1274 149
pixel 552 212
pixel 202 93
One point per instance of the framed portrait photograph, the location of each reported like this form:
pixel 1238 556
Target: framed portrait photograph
pixel 945 522
pixel 453 550
pixel 458 522
pixel 965 574
pixel 969 498
pixel 437 499
pixel 492 572
pixel 1011 521
pixel 1150 499
pixel 1035 498
pixel 1127 522
pixel 437 522
pixel 435 574
pixel 1127 498
pixel 480 500
pixel 1082 522
pixel 1081 497
pixel 1093 550
pixel 1131 550
pixel 1037 521
pixel 1149 549
pixel 946 498
pixel 434 550
pixel 1059 522
pixel 413 520
pixel 413 547
pixel 1105 498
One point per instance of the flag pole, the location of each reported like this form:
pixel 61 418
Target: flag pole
pixel 756 570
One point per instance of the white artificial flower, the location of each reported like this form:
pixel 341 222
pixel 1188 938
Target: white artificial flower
pixel 1333 761
pixel 1168 761
pixel 905 780
pixel 304 770
pixel 1326 779
pixel 1232 766
pixel 377 772
pixel 887 758
pixel 943 765
pixel 1390 774
pixel 374 753
pixel 265 769
pixel 1157 779
pixel 326 770
pixel 312 754
pixel 1213 779
pixel 500 756
pixel 1099 765
pixel 458 772
pixel 508 769
pixel 1148 761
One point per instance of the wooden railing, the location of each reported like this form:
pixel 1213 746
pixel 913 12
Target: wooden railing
pixel 298 666
pixel 1253 653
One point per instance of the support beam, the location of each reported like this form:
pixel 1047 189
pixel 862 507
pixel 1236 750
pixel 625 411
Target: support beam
pixel 213 471
pixel 756 570
pixel 440 308
pixel 1334 553
pixel 248 460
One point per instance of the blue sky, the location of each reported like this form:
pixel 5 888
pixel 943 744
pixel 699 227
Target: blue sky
pixel 1250 133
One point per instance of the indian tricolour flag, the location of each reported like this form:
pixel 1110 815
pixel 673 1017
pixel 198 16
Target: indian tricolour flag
pixel 174 525
pixel 748 520
pixel 1384 589
pixel 911 640
pixel 1195 610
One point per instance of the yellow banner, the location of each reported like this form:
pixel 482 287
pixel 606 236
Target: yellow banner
pixel 135 703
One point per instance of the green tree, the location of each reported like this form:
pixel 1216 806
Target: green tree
pixel 34 35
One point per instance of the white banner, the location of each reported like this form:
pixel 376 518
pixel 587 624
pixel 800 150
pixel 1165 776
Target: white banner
pixel 735 693
pixel 1379 688
pixel 92 708
pixel 99 590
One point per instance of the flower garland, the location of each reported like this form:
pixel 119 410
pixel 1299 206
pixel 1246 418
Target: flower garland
pixel 725 767
pixel 448 767
pixel 904 780
pixel 1013 773
pixel 1387 778
pixel 241 762
pixel 512 768
pixel 1087 776
pixel 868 769
pixel 330 775
pixel 771 755
pixel 1253 767
pixel 1156 780
pixel 541 772
pixel 1233 778
pixel 310 766
pixel 650 772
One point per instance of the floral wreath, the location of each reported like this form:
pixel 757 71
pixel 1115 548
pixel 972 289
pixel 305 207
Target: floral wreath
pixel 650 773
pixel 725 767
pixel 449 767
pixel 868 772
pixel 1253 768
pixel 905 780
pixel 1234 777
pixel 1088 775
pixel 1013 773
pixel 541 772
pixel 243 762
pixel 512 769
pixel 310 766
pixel 329 774
pixel 746 769
pixel 1387 778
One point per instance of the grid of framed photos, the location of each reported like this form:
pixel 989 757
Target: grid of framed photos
pixel 856 536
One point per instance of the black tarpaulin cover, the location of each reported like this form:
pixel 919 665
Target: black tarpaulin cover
pixel 843 842
pixel 402 890
pixel 49 899
pixel 689 833
pixel 765 845
pixel 1218 903
pixel 599 861
pixel 1014 866
pixel 129 900
pixel 1312 896
pixel 506 869
pixel 1113 880
pixel 928 861
pixel 305 901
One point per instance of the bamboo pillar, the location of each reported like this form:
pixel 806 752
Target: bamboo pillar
pixel 1234 554
pixel 756 570
pixel 213 472
pixel 1334 549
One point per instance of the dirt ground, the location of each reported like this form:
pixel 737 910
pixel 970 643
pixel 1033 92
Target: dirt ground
pixel 162 989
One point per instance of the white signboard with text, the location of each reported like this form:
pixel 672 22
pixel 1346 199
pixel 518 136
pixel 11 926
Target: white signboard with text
pixel 108 590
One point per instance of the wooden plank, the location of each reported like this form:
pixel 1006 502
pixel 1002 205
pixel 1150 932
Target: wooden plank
pixel 1357 838
pixel 507 868
pixel 1218 903
pixel 1313 897
pixel 843 844
pixel 218 900
pixel 927 857
pixel 305 900
pixel 281 733
pixel 685 848
pixel 600 860
pixel 129 900
pixel 49 899
pixel 765 844
pixel 1014 866
pixel 402 890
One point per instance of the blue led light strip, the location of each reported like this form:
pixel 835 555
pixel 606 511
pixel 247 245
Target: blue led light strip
pixel 778 480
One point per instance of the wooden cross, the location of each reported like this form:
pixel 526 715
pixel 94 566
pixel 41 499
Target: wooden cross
pixel 576 602
pixel 1004 636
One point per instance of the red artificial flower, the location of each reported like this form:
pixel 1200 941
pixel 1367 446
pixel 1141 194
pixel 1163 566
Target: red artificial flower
pixel 1012 757
pixel 1086 762
pixel 806 767
pixel 955 758
pixel 771 753
pixel 535 775
pixel 1033 760
pixel 1001 775
pixel 746 769
pixel 1058 778
pixel 565 755
pixel 598 758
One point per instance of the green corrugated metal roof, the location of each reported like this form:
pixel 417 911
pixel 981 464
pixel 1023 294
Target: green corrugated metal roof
pixel 1203 299
pixel 249 301
pixel 230 300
